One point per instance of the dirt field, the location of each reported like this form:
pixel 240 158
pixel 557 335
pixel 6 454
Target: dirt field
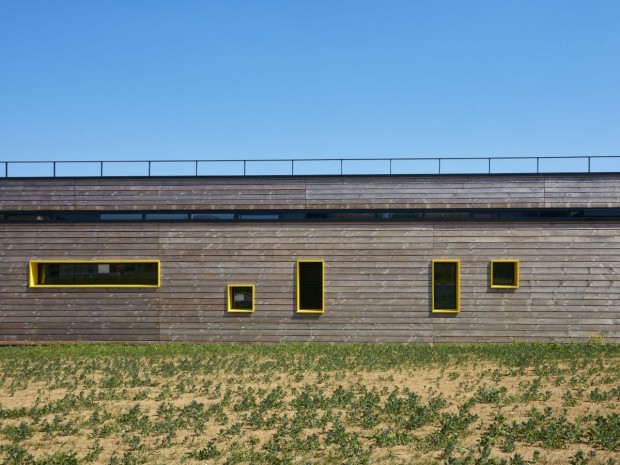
pixel 298 404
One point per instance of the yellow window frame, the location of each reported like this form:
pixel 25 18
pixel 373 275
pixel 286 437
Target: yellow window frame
pixel 298 303
pixel 231 304
pixel 458 287
pixel 34 274
pixel 515 272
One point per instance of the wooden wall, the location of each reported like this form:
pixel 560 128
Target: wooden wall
pixel 377 282
pixel 72 314
pixel 454 191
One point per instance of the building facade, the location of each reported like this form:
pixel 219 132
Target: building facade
pixel 437 258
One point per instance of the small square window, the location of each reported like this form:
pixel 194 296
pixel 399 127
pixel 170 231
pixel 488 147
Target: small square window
pixel 241 298
pixel 504 274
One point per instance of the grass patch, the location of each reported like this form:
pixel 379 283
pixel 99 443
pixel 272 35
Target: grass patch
pixel 302 403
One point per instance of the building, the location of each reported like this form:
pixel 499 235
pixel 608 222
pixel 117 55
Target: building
pixel 377 258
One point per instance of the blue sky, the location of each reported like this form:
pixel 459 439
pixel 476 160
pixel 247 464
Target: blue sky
pixel 290 79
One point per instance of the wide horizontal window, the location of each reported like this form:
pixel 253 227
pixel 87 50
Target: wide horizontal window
pixel 313 216
pixel 86 273
pixel 446 286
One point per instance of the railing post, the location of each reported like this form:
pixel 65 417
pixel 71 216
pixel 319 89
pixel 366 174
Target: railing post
pixel 292 167
pixel 6 169
pixel 101 169
pixel 341 167
pixel 439 169
pixel 149 168
pixel 53 169
pixel 589 163
pixel 196 168
pixel 244 162
pixel 537 165
pixel 489 165
pixel 390 166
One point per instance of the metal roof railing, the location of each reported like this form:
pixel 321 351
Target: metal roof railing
pixel 313 166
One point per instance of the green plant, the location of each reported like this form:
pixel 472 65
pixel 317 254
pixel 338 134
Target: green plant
pixel 210 451
pixel 606 431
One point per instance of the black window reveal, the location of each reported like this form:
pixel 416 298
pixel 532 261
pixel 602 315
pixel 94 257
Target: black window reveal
pixel 446 283
pixel 310 288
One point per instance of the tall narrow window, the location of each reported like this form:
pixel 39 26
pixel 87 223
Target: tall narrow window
pixel 310 288
pixel 446 286
pixel 504 274
pixel 94 273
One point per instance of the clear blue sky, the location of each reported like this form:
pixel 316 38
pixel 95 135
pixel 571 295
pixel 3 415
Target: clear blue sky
pixel 154 79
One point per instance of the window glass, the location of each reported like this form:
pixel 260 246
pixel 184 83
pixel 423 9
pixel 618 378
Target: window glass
pixel 505 273
pixel 446 286
pixel 240 298
pixel 121 216
pixel 310 286
pixel 95 274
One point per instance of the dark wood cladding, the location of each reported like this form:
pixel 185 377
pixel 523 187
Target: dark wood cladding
pixel 35 314
pixel 314 192
pixel 426 192
pixel 152 194
pixel 377 282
